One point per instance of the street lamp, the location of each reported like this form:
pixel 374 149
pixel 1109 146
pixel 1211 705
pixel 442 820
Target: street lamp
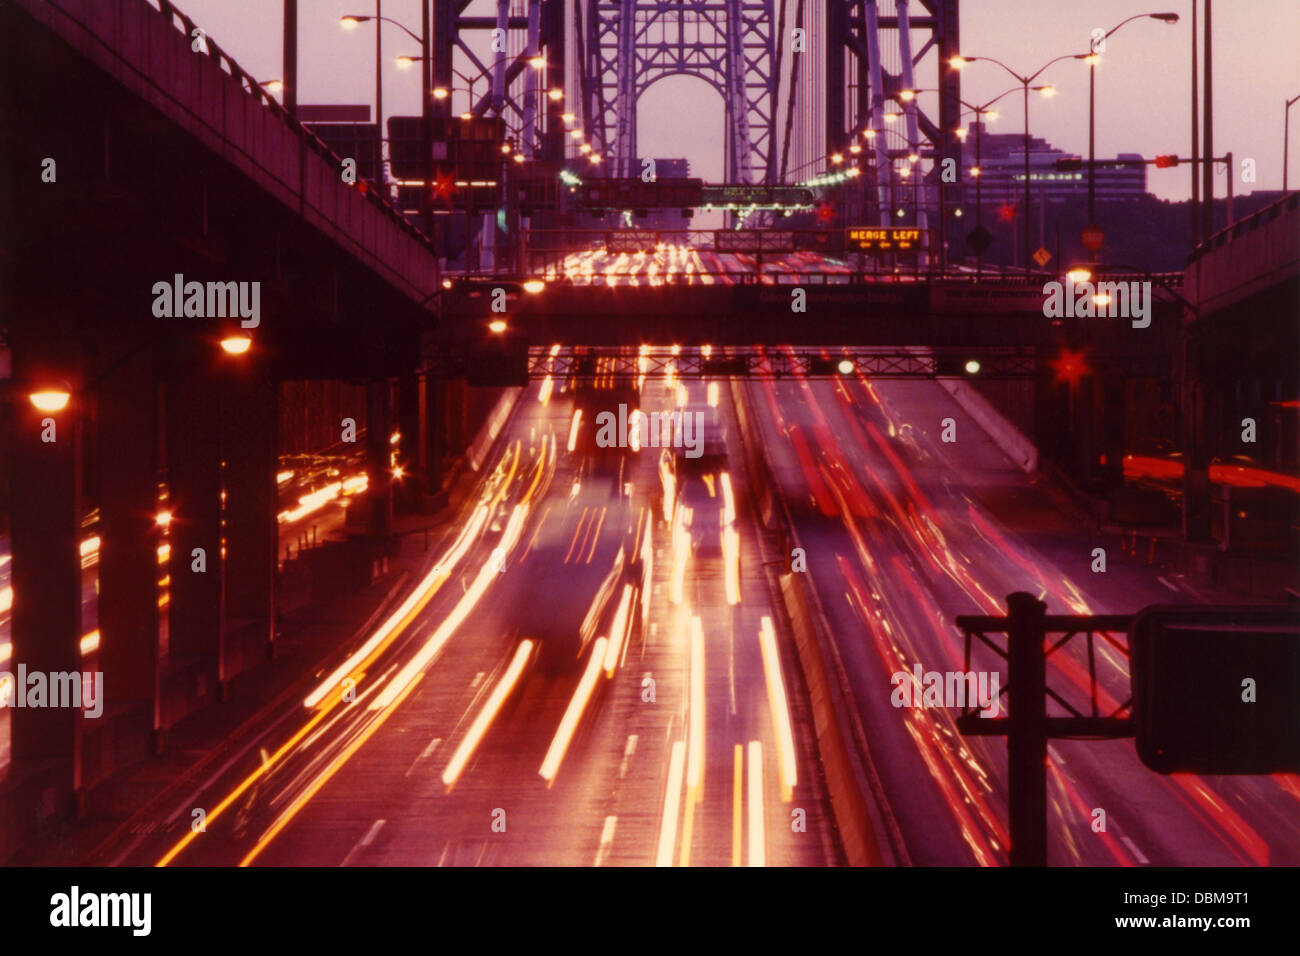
pixel 1286 137
pixel 1093 56
pixel 350 22
pixel 958 62
pixel 50 399
pixel 237 343
pixel 976 171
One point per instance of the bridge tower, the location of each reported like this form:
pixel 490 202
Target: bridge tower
pixel 843 89
pixel 632 44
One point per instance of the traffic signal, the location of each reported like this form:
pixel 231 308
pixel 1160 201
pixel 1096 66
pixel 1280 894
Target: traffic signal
pixel 1166 162
pixel 1215 688
pixel 963 366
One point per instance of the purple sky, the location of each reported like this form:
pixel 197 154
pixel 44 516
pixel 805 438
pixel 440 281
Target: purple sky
pixel 1143 84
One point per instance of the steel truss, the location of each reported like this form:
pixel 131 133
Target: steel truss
pixel 860 36
pixel 632 44
pixel 622 365
pixel 514 90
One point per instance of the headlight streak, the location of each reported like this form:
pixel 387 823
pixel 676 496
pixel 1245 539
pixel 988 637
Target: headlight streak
pixel 672 805
pixel 779 704
pixel 324 778
pixel 447 627
pixel 400 619
pixel 757 842
pixel 479 728
pixel 618 631
pixel 573 713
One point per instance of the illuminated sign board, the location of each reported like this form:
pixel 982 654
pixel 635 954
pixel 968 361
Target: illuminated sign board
pixel 883 238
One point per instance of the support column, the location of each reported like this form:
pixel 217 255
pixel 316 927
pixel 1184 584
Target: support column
pixel 194 479
pixel 250 443
pixel 46 580
pixel 378 429
pixel 1027 730
pixel 129 538
pixel 412 487
pixel 433 431
pixel 1197 525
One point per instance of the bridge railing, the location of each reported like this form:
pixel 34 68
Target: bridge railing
pixel 153 50
pixel 1242 227
pixel 230 66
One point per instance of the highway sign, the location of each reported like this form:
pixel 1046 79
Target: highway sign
pixel 1042 257
pixel 619 194
pixel 979 239
pixel 882 238
pixel 1217 689
pixel 631 240
pixel 745 195
pixel 753 240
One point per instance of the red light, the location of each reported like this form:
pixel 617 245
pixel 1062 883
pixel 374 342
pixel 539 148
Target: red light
pixel 1165 162
pixel 1101 460
pixel 1071 367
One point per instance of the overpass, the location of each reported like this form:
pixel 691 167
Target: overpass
pixel 138 154
pixel 141 157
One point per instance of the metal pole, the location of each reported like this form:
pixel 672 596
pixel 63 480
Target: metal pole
pixel 1026 85
pixel 379 99
pixel 1207 185
pixel 979 188
pixel 426 116
pixel 291 58
pixel 1027 730
pixel 1092 151
pixel 1196 139
pixel 1228 224
pixel 1286 137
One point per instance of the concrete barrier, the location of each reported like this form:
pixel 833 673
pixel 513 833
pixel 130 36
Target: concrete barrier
pixel 867 830
pixel 487 435
pixel 1005 435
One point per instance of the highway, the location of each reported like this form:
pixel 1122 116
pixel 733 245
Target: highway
pixel 903 532
pixel 488 721
pixel 575 679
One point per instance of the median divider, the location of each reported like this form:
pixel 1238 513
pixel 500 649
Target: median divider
pixel 868 831
pixel 1005 435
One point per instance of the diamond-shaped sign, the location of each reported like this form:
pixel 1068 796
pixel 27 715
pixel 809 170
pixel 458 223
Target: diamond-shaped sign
pixel 1042 257
pixel 979 239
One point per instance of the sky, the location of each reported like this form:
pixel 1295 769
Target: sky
pixel 1143 82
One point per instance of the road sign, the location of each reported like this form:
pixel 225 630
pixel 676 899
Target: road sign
pixel 753 240
pixel 1217 689
pixel 619 194
pixel 631 240
pixel 882 238
pixel 745 195
pixel 1092 237
pixel 1042 257
pixel 979 239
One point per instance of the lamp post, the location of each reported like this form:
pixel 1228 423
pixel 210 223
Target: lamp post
pixel 957 62
pixel 1092 58
pixel 348 22
pixel 1286 139
pixel 977 171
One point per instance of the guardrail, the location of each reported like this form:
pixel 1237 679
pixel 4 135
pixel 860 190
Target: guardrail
pixel 138 42
pixel 1243 226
